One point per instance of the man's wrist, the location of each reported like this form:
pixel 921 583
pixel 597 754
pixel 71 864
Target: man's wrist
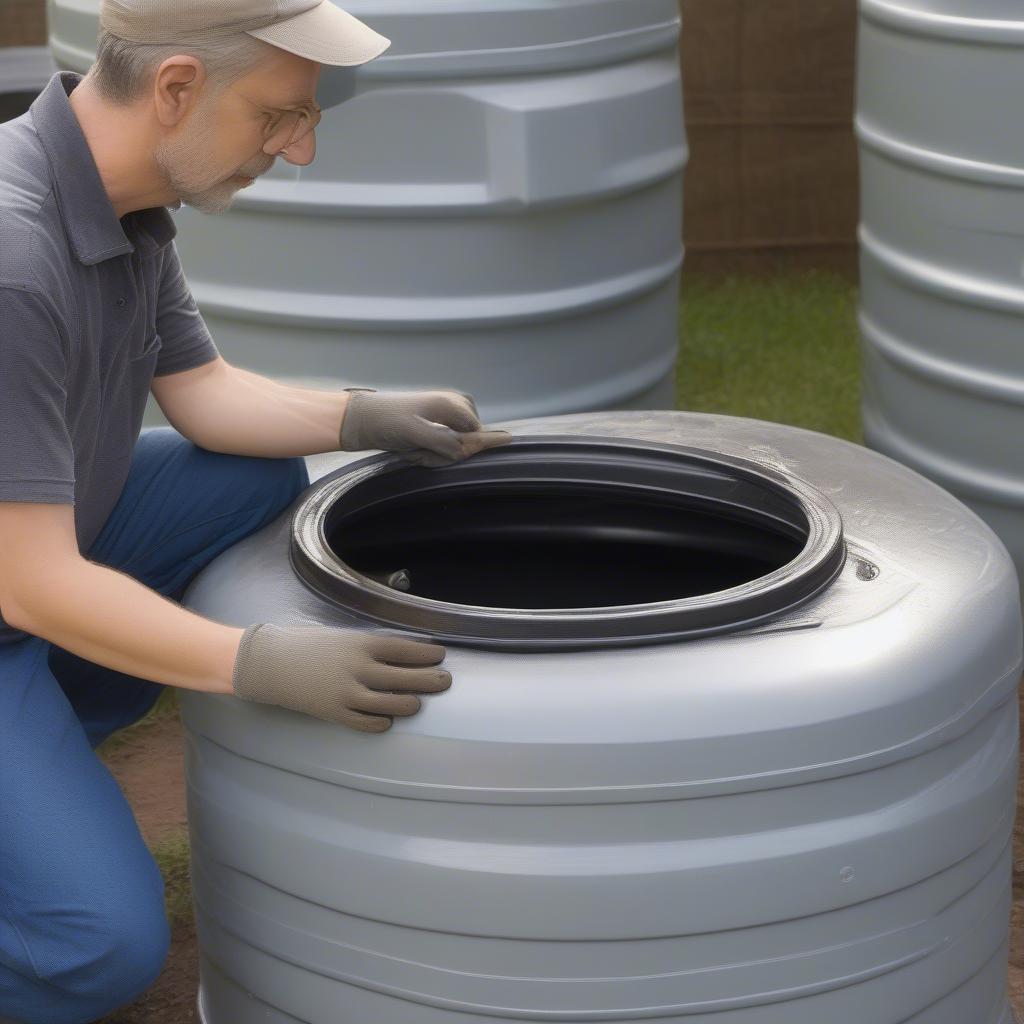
pixel 228 660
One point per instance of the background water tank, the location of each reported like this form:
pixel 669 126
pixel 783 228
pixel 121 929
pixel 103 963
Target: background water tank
pixel 497 209
pixel 24 70
pixel 732 740
pixel 941 129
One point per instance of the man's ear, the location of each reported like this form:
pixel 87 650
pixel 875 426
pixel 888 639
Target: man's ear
pixel 179 81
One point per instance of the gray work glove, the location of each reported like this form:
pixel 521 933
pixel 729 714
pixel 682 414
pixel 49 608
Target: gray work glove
pixel 357 679
pixel 426 428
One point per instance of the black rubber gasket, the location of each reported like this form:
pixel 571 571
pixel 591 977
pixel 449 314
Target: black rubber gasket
pixel 699 478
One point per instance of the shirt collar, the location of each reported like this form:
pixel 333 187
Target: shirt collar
pixel 92 224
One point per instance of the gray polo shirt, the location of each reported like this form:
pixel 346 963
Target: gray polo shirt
pixel 91 309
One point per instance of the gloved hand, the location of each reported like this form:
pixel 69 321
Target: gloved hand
pixel 339 675
pixel 426 428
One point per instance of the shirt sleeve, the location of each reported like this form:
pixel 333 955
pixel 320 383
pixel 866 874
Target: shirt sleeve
pixel 37 459
pixel 185 341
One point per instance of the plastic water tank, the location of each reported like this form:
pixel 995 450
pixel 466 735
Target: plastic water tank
pixel 732 739
pixel 498 208
pixel 942 316
pixel 24 70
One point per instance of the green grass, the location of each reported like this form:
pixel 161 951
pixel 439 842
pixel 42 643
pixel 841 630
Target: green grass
pixel 172 856
pixel 782 348
pixel 166 706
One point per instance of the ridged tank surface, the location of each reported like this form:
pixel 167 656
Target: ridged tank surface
pixel 941 130
pixel 497 208
pixel 743 750
pixel 24 70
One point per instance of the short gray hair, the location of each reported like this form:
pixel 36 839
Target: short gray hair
pixel 124 69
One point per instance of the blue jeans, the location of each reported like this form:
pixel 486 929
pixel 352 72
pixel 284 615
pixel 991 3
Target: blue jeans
pixel 82 924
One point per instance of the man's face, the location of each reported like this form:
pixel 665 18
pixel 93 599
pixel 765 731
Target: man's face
pixel 223 146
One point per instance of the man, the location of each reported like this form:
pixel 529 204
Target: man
pixel 100 529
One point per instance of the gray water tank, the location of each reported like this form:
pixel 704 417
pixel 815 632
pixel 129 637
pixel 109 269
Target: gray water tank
pixel 498 209
pixel 24 70
pixel 941 129
pixel 732 739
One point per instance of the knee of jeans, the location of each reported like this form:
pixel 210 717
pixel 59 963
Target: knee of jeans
pixel 299 477
pixel 289 478
pixel 114 954
pixel 159 437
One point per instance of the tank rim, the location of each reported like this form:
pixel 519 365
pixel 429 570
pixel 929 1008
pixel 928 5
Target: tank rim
pixel 633 463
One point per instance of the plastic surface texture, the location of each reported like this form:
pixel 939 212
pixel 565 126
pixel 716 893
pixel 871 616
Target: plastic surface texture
pixel 24 69
pixel 942 317
pixel 495 209
pixel 804 820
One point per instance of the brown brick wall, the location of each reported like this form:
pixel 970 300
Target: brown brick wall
pixel 22 22
pixel 769 90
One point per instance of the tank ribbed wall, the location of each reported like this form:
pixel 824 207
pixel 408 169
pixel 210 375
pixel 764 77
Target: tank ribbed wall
pixel 941 130
pixel 808 821
pixel 497 209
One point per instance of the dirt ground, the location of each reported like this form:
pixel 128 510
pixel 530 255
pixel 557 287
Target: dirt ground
pixel 149 768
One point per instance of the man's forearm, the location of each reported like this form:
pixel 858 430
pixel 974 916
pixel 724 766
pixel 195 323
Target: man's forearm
pixel 110 619
pixel 242 413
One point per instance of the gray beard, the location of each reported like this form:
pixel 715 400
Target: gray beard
pixel 210 200
pixel 184 165
pixel 182 173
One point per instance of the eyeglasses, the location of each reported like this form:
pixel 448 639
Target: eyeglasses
pixel 289 127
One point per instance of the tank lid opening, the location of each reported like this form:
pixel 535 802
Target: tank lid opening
pixel 560 542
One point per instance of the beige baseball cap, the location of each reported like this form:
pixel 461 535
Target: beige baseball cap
pixel 314 29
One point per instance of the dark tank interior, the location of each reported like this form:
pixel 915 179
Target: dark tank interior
pixel 539 545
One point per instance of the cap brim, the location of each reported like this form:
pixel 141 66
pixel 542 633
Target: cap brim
pixel 326 34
